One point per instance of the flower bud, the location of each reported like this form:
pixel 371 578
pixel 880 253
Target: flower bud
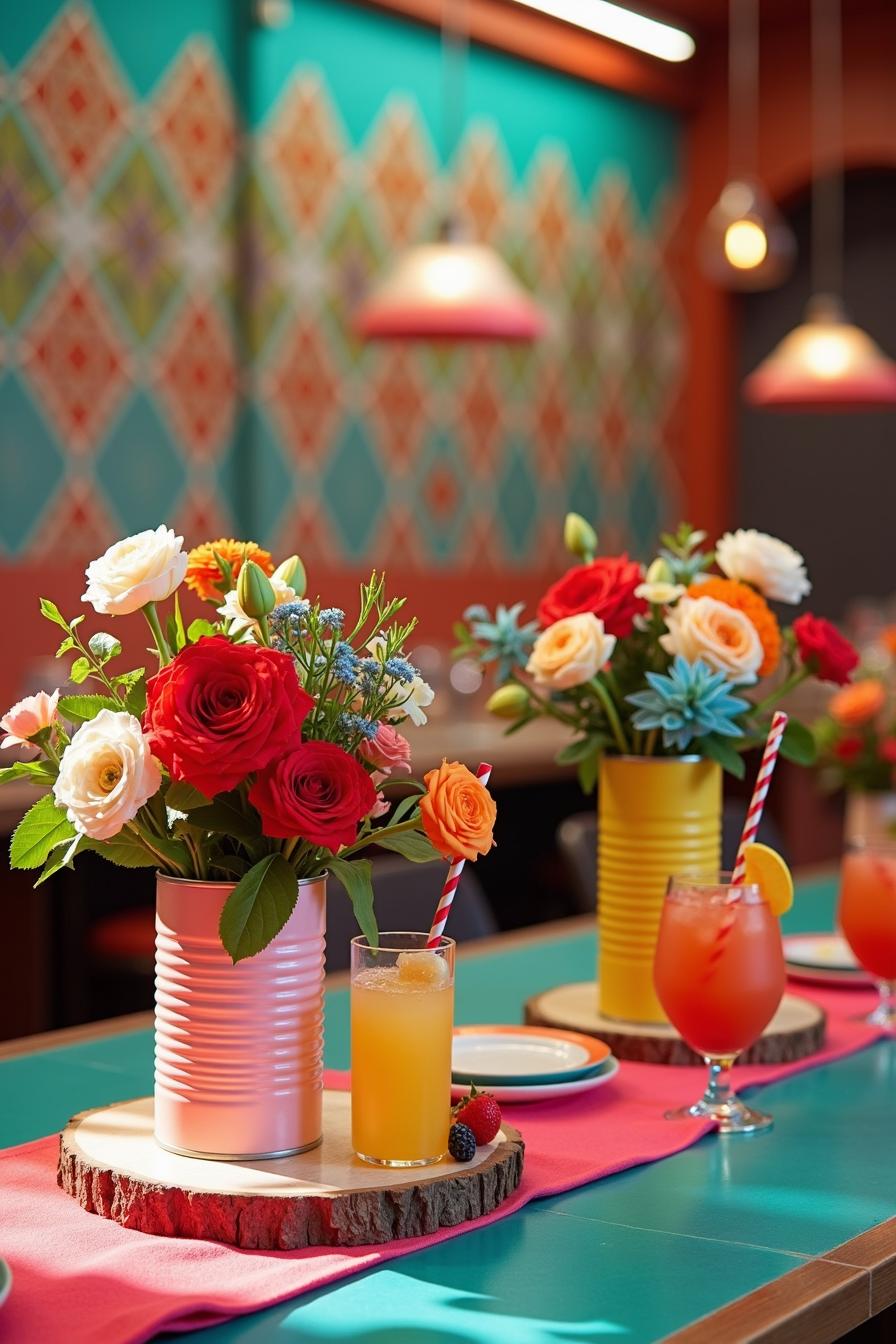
pixel 254 591
pixel 292 572
pixel 509 701
pixel 660 572
pixel 579 537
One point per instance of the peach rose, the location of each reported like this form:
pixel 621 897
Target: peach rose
pixel 457 811
pixel 570 652
pixel 726 639
pixel 857 704
pixel 27 717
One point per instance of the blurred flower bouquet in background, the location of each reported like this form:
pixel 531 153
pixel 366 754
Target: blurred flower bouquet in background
pixel 658 661
pixel 856 737
pixel 260 747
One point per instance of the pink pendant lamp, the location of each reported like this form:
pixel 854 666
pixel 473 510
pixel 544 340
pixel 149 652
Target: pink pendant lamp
pixel 450 289
pixel 826 363
pixel 745 244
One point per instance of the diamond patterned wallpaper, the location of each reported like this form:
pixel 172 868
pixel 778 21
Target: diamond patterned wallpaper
pixel 176 292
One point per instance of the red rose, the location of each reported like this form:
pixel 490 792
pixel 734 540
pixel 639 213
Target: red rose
pixel 218 711
pixel 605 587
pixel 824 650
pixel 316 791
pixel 848 749
pixel 887 750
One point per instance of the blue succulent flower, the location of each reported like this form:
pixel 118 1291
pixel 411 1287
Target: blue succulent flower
pixel 505 641
pixel 688 702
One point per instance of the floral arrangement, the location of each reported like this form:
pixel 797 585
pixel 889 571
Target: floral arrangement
pixel 656 661
pixel 260 748
pixel 856 737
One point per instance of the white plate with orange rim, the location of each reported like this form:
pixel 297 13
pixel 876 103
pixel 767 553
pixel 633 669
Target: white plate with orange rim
pixel 823 959
pixel 546 1091
pixel 515 1056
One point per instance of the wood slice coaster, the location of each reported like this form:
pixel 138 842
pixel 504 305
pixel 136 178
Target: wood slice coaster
pixel 111 1164
pixel 796 1030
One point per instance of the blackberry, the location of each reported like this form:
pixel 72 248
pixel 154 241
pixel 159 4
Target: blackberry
pixel 462 1143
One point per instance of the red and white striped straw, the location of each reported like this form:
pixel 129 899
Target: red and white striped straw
pixel 483 774
pixel 760 792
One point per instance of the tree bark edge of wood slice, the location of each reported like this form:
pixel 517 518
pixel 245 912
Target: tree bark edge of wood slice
pixel 644 1044
pixel 367 1216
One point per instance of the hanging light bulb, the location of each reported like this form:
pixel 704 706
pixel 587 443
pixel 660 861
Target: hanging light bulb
pixel 450 289
pixel 745 243
pixel 826 363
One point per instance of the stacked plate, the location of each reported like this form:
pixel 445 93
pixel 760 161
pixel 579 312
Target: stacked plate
pixel 823 959
pixel 528 1063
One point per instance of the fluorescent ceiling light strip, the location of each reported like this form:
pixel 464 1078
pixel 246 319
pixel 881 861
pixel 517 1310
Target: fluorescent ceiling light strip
pixel 622 25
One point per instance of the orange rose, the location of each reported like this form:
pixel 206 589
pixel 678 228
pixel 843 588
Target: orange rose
pixel 854 705
pixel 203 574
pixel 754 607
pixel 457 811
pixel 888 639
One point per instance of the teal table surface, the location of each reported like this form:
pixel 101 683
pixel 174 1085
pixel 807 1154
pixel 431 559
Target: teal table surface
pixel 635 1256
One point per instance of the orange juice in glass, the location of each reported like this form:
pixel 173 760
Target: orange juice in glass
pixel 402 1016
pixel 719 974
pixel 868 919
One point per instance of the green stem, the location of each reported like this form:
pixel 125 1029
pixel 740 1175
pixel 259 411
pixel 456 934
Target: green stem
pixel 264 631
pixel 165 862
pixel 800 675
pixel 609 709
pixel 650 745
pixel 152 619
pixel 375 836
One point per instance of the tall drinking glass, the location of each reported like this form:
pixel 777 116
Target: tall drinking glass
pixel 402 1010
pixel 868 918
pixel 719 974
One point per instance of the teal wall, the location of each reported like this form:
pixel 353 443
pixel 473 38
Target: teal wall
pixel 175 298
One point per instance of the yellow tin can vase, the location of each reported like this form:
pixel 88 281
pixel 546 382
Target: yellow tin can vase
pixel 656 816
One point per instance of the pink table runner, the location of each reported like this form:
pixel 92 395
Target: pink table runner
pixel 82 1278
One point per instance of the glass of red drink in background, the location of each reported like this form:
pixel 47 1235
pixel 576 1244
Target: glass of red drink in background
pixel 719 974
pixel 868 918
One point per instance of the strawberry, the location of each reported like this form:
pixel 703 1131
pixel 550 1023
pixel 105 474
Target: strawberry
pixel 480 1113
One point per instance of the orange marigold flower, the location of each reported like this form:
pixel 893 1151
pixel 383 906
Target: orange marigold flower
pixel 857 704
pixel 754 607
pixel 203 574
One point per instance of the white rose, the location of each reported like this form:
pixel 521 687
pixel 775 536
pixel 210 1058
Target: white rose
pixel 776 569
pixel 143 568
pixel 106 775
pixel 240 623
pixel 702 627
pixel 570 652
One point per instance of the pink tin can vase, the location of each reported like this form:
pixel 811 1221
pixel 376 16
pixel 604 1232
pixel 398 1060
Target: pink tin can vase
pixel 238 1049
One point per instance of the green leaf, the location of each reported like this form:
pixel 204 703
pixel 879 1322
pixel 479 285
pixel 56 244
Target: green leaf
pixel 124 851
pixel 136 696
pixel 65 852
pixel 581 749
pixel 258 907
pixel 180 634
pixel 411 845
pixel 39 773
pixel 82 708
pixel 184 798
pixel 357 878
pixel 226 815
pixel 197 629
pixel 404 808
pixel 587 772
pixel 230 865
pixel 103 647
pixel 720 749
pixel 67 644
pixel 42 828
pixel 798 744
pixel 80 671
pixel 52 613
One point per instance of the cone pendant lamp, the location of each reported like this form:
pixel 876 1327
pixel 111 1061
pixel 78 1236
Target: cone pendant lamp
pixel 450 289
pixel 745 244
pixel 826 363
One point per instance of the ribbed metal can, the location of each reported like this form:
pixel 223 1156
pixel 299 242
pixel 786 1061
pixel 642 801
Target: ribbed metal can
pixel 238 1049
pixel 657 817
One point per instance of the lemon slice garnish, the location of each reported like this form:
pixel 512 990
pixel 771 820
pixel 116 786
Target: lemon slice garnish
pixel 767 870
